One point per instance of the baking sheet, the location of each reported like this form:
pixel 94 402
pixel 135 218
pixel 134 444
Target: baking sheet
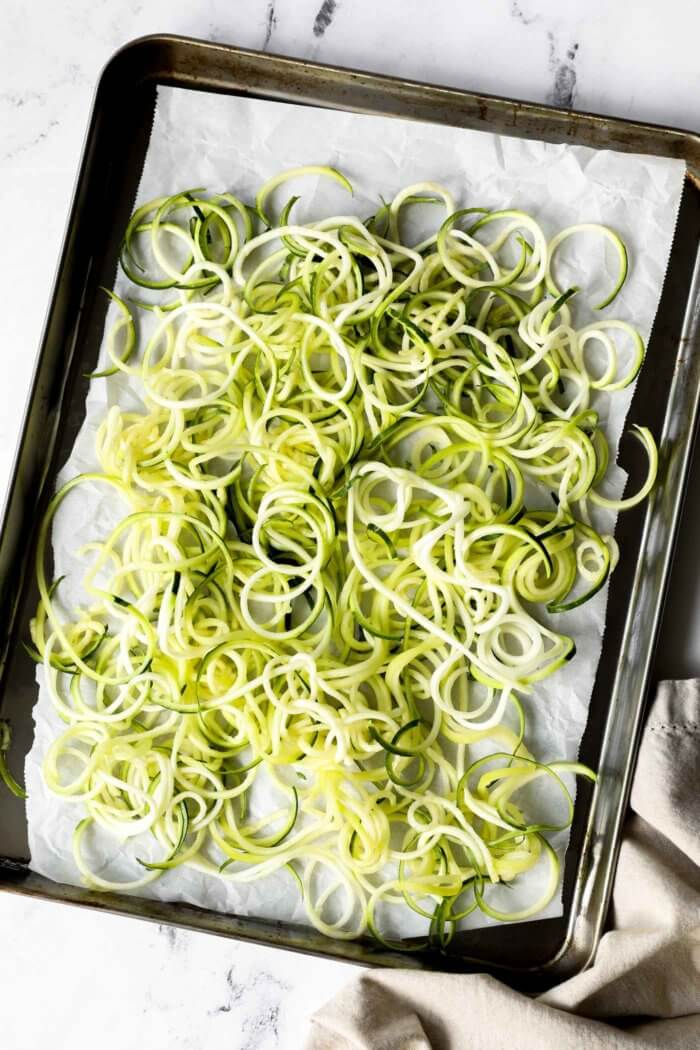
pixel 222 142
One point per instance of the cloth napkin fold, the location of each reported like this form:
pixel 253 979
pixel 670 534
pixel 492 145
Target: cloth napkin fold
pixel 643 990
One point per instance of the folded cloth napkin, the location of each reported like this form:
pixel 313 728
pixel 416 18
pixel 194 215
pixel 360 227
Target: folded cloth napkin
pixel 643 990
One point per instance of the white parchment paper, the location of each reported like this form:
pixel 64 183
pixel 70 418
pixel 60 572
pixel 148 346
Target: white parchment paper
pixel 225 143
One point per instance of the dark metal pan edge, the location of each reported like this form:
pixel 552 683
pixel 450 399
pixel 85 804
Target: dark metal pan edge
pixel 142 56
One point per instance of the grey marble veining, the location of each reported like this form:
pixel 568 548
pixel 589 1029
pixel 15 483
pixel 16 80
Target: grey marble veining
pixel 75 978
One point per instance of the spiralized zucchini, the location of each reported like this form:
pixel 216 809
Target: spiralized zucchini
pixel 359 470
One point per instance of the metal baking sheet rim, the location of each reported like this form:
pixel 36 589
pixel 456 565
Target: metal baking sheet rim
pixel 200 65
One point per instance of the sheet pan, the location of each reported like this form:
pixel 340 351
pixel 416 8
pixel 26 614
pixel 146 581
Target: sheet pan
pixel 530 954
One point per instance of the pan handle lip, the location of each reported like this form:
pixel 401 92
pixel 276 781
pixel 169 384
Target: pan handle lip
pixel 139 59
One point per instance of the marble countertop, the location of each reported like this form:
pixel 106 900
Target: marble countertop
pixel 73 976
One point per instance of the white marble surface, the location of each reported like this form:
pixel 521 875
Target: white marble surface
pixel 77 978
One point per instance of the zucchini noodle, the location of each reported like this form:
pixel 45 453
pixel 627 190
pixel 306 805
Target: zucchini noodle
pixel 359 473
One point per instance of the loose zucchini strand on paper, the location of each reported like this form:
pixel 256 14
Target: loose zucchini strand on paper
pixel 6 777
pixel 360 470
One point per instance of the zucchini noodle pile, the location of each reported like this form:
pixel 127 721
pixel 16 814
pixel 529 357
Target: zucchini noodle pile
pixel 361 470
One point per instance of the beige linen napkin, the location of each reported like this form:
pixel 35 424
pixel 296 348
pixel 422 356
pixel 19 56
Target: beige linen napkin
pixel 643 990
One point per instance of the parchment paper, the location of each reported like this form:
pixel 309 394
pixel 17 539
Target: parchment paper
pixel 220 142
